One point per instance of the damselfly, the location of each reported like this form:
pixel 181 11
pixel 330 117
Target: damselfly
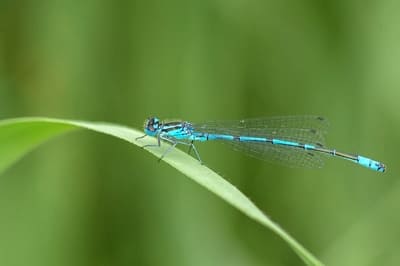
pixel 294 141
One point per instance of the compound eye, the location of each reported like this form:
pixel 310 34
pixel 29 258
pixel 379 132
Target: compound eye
pixel 150 124
pixel 153 124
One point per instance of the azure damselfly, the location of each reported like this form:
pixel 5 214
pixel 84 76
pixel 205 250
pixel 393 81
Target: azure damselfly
pixel 294 141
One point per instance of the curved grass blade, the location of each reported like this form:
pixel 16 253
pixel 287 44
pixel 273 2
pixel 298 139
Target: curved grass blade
pixel 21 135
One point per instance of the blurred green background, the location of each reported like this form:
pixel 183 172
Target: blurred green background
pixel 88 199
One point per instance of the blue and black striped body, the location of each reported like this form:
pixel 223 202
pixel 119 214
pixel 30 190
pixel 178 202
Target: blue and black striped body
pixel 292 141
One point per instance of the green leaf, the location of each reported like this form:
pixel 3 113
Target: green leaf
pixel 19 136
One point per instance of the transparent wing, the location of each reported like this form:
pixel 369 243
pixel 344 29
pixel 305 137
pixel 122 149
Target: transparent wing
pixel 283 155
pixel 304 129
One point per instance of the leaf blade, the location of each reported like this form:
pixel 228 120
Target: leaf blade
pixel 21 135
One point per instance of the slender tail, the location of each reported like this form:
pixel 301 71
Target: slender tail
pixel 361 160
pixel 358 159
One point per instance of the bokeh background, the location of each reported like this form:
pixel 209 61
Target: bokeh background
pixel 89 199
